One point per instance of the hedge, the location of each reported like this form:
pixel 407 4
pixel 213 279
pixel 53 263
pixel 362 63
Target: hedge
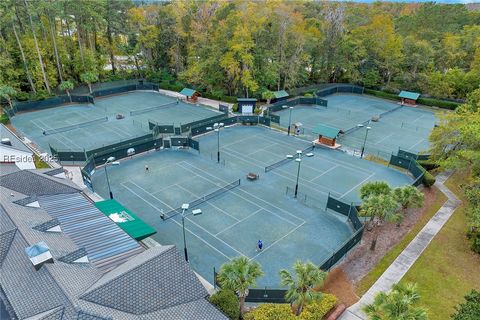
pixel 4 119
pixel 227 302
pixel 428 179
pixel 424 101
pixel 428 164
pixel 312 311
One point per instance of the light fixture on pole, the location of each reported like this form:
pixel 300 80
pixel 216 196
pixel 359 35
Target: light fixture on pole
pixel 365 139
pixel 298 159
pixel 289 119
pixel 195 212
pixel 216 127
pixel 109 161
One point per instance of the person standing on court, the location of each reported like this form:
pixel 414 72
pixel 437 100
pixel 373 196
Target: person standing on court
pixel 260 245
pixel 146 168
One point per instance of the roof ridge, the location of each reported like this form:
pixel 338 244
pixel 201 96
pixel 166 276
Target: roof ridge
pixel 89 290
pixel 54 179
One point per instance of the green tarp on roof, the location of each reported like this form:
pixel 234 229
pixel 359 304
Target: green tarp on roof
pixel 326 131
pixel 280 94
pixel 409 95
pixel 246 99
pixel 188 92
pixel 125 219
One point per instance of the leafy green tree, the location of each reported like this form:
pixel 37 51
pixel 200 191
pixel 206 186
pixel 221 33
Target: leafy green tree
pixel 66 86
pixel 470 308
pixel 400 303
pixel 227 301
pixel 89 78
pixel 302 283
pixel 380 208
pixel 408 197
pixel 239 275
pixel 7 93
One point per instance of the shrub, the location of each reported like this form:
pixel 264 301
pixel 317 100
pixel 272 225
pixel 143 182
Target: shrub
pixel 382 94
pixel 470 309
pixel 270 311
pixel 438 103
pixel 235 107
pixel 428 164
pixel 428 179
pixel 474 236
pixel 309 95
pixel 317 310
pixel 312 311
pixel 227 302
pixel 4 119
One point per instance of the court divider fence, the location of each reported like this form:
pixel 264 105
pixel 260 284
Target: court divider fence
pixel 280 105
pixel 79 98
pixel 408 160
pixel 339 88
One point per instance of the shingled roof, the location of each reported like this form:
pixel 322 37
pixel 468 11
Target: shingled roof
pixel 154 284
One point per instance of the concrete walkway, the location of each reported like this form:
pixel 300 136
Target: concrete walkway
pixel 407 258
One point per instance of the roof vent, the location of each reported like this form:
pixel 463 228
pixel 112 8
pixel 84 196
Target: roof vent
pixel 39 254
pixel 6 141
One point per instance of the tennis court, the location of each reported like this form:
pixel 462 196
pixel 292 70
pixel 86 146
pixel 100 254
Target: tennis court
pixel 243 211
pixel 87 126
pixel 403 127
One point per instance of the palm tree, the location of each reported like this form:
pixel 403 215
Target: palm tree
pixel 408 197
pixel 239 275
pixel 374 188
pixel 300 285
pixel 380 208
pixel 398 304
pixel 268 95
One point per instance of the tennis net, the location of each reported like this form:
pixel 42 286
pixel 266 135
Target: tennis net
pixel 203 199
pixel 75 126
pixel 286 160
pixel 142 111
pixel 390 111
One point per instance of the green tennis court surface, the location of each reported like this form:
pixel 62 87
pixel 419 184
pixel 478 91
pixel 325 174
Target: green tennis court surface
pixel 233 222
pixel 33 124
pixel 407 128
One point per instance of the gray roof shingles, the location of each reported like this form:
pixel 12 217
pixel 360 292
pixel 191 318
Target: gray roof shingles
pixel 30 183
pixel 14 140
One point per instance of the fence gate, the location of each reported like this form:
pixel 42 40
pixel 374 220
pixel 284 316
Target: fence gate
pixel 166 143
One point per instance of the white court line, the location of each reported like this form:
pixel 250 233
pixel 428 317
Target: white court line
pixel 423 115
pixel 384 138
pixel 251 195
pixel 208 202
pixel 238 221
pixel 237 141
pixel 53 135
pixel 332 168
pixel 177 223
pixel 286 175
pixel 278 240
pixel 193 222
pixel 417 144
pixel 353 188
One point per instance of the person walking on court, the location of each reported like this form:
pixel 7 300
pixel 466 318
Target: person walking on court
pixel 259 245
pixel 146 168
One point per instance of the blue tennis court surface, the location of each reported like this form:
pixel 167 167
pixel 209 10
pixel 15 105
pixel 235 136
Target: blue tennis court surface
pixel 233 222
pixel 33 124
pixel 398 127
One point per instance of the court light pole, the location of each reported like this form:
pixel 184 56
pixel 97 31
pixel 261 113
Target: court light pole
pixel 216 128
pixel 195 212
pixel 109 160
pixel 364 140
pixel 289 119
pixel 298 159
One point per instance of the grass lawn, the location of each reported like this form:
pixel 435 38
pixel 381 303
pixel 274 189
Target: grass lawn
pixel 388 259
pixel 448 269
pixel 39 163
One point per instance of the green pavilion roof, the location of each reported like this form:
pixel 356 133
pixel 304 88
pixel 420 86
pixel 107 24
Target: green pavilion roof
pixel 280 94
pixel 409 95
pixel 326 131
pixel 125 219
pixel 188 92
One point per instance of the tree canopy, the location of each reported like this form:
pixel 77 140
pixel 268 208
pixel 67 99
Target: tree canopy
pixel 242 48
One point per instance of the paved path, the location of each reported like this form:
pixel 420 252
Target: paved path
pixel 407 258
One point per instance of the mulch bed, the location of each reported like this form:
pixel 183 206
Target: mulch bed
pixel 341 280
